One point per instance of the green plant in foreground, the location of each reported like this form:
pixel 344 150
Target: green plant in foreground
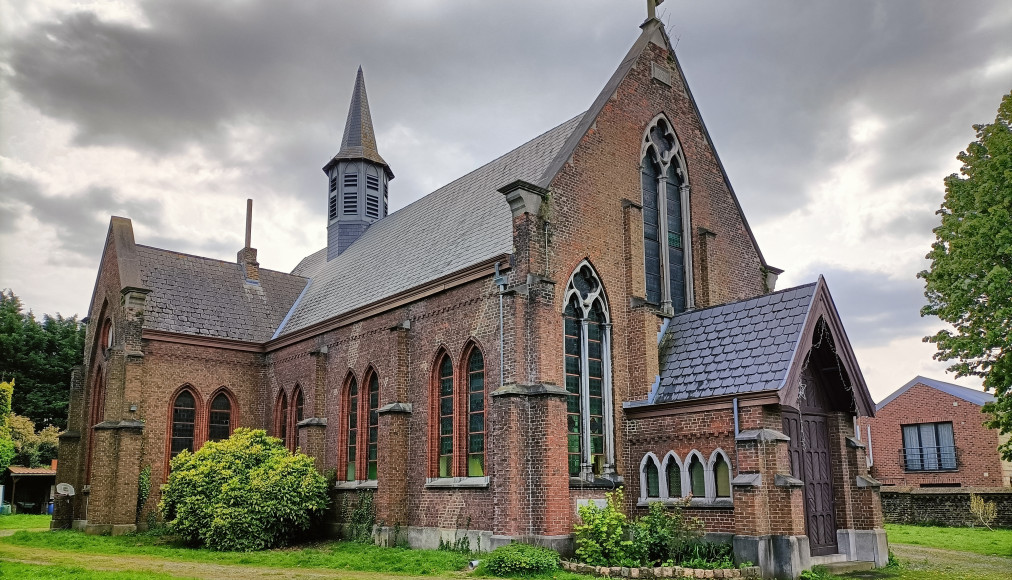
pixel 663 534
pixel 520 559
pixel 603 537
pixel 245 493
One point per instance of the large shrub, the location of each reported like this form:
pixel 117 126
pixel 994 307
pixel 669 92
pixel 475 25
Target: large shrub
pixel 520 559
pixel 664 534
pixel 603 537
pixel 244 493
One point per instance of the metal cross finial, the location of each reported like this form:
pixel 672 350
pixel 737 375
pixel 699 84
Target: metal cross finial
pixel 652 8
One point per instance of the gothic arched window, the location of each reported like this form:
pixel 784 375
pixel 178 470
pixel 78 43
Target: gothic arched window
pixel 351 428
pixel 219 420
pixel 697 477
pixel 281 418
pixel 667 255
pixel 587 366
pixel 372 457
pixel 444 426
pixel 475 413
pixel 184 416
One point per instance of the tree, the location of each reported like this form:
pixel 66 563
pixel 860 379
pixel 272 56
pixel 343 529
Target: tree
pixel 7 449
pixel 969 281
pixel 33 449
pixel 246 493
pixel 40 356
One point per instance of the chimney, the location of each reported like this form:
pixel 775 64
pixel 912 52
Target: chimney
pixel 247 257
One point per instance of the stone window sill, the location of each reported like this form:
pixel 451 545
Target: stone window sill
pixel 366 484
pixel 456 482
pixel 696 502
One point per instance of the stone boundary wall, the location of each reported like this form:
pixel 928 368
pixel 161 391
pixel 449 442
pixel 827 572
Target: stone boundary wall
pixel 660 571
pixel 944 506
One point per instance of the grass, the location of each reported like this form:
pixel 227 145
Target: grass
pixel 976 540
pixel 331 555
pixel 24 521
pixel 53 572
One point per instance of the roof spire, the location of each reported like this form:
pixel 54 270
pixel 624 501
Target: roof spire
pixel 359 141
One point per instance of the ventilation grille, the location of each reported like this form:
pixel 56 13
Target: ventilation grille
pixel 372 182
pixel 333 184
pixel 332 207
pixel 372 206
pixel 350 180
pixel 350 202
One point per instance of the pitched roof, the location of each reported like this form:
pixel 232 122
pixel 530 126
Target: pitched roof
pixel 969 395
pixel 460 224
pixel 735 348
pixel 206 297
pixel 359 141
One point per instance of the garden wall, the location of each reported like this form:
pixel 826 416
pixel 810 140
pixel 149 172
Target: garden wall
pixel 943 506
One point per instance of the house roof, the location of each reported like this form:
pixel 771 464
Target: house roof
pixel 735 348
pixel 207 297
pixel 36 471
pixel 969 395
pixel 459 225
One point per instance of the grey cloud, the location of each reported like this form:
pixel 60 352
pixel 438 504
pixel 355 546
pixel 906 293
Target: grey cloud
pixel 874 307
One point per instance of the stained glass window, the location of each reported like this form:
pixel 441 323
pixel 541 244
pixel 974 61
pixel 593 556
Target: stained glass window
pixel 445 417
pixel 184 413
pixel 351 412
pixel 475 414
pixel 220 418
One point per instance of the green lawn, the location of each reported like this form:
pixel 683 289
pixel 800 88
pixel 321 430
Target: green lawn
pixel 53 572
pixel 333 555
pixel 976 540
pixel 24 522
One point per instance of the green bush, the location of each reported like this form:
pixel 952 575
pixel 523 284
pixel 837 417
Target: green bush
pixel 245 493
pixel 603 537
pixel 705 555
pixel 520 559
pixel 664 534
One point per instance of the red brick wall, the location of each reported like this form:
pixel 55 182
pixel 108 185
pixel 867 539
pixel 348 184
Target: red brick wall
pixel 976 446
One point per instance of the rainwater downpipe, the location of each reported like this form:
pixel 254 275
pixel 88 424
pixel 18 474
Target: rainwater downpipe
pixel 737 468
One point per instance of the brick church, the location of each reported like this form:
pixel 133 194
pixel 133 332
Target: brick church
pixel 588 311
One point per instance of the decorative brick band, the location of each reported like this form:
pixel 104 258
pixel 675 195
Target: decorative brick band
pixel 660 571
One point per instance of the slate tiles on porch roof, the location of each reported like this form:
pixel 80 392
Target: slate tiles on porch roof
pixel 735 348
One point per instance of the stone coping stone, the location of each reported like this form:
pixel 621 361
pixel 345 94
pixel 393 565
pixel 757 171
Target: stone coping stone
pixel 660 571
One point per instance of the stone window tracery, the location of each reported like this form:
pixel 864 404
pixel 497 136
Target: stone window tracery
pixel 587 368
pixel 667 255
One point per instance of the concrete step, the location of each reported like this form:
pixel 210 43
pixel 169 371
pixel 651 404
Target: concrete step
pixel 828 559
pixel 846 567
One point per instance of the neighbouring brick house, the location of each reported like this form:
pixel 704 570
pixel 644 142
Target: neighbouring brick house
pixel 931 433
pixel 589 310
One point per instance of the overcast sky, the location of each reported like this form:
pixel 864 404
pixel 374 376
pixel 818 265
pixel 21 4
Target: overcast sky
pixel 836 121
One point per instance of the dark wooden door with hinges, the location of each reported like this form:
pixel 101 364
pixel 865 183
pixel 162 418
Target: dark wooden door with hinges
pixel 811 463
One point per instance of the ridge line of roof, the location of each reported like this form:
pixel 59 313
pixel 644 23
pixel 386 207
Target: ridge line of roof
pixel 929 382
pixel 291 310
pixel 215 259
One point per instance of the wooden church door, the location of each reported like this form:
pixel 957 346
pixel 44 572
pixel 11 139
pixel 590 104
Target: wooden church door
pixel 811 462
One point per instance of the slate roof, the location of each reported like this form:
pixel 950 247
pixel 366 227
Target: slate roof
pixel 206 297
pixel 969 395
pixel 460 224
pixel 359 140
pixel 736 348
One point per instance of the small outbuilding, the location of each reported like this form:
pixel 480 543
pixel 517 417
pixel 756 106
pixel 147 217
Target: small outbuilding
pixel 29 490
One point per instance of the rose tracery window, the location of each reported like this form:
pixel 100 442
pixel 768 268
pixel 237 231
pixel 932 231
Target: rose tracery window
pixel 587 367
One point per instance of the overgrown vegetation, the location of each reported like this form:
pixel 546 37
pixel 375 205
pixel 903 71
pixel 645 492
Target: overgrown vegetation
pixel 143 488
pixel 33 448
pixel 359 516
pixel 245 493
pixel 664 536
pixel 519 560
pixel 986 512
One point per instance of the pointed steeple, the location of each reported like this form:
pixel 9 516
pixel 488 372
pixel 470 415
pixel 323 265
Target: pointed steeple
pixel 359 141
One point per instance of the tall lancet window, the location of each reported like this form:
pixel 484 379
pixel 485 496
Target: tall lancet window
pixel 587 367
pixel 667 255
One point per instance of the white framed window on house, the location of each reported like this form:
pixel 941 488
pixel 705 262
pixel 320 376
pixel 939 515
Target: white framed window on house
pixel 928 447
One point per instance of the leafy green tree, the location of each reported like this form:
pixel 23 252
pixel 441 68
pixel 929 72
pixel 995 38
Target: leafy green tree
pixel 33 449
pixel 40 356
pixel 245 493
pixel 7 449
pixel 969 282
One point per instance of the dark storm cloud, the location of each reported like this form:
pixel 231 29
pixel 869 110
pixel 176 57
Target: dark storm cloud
pixel 81 220
pixel 875 309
